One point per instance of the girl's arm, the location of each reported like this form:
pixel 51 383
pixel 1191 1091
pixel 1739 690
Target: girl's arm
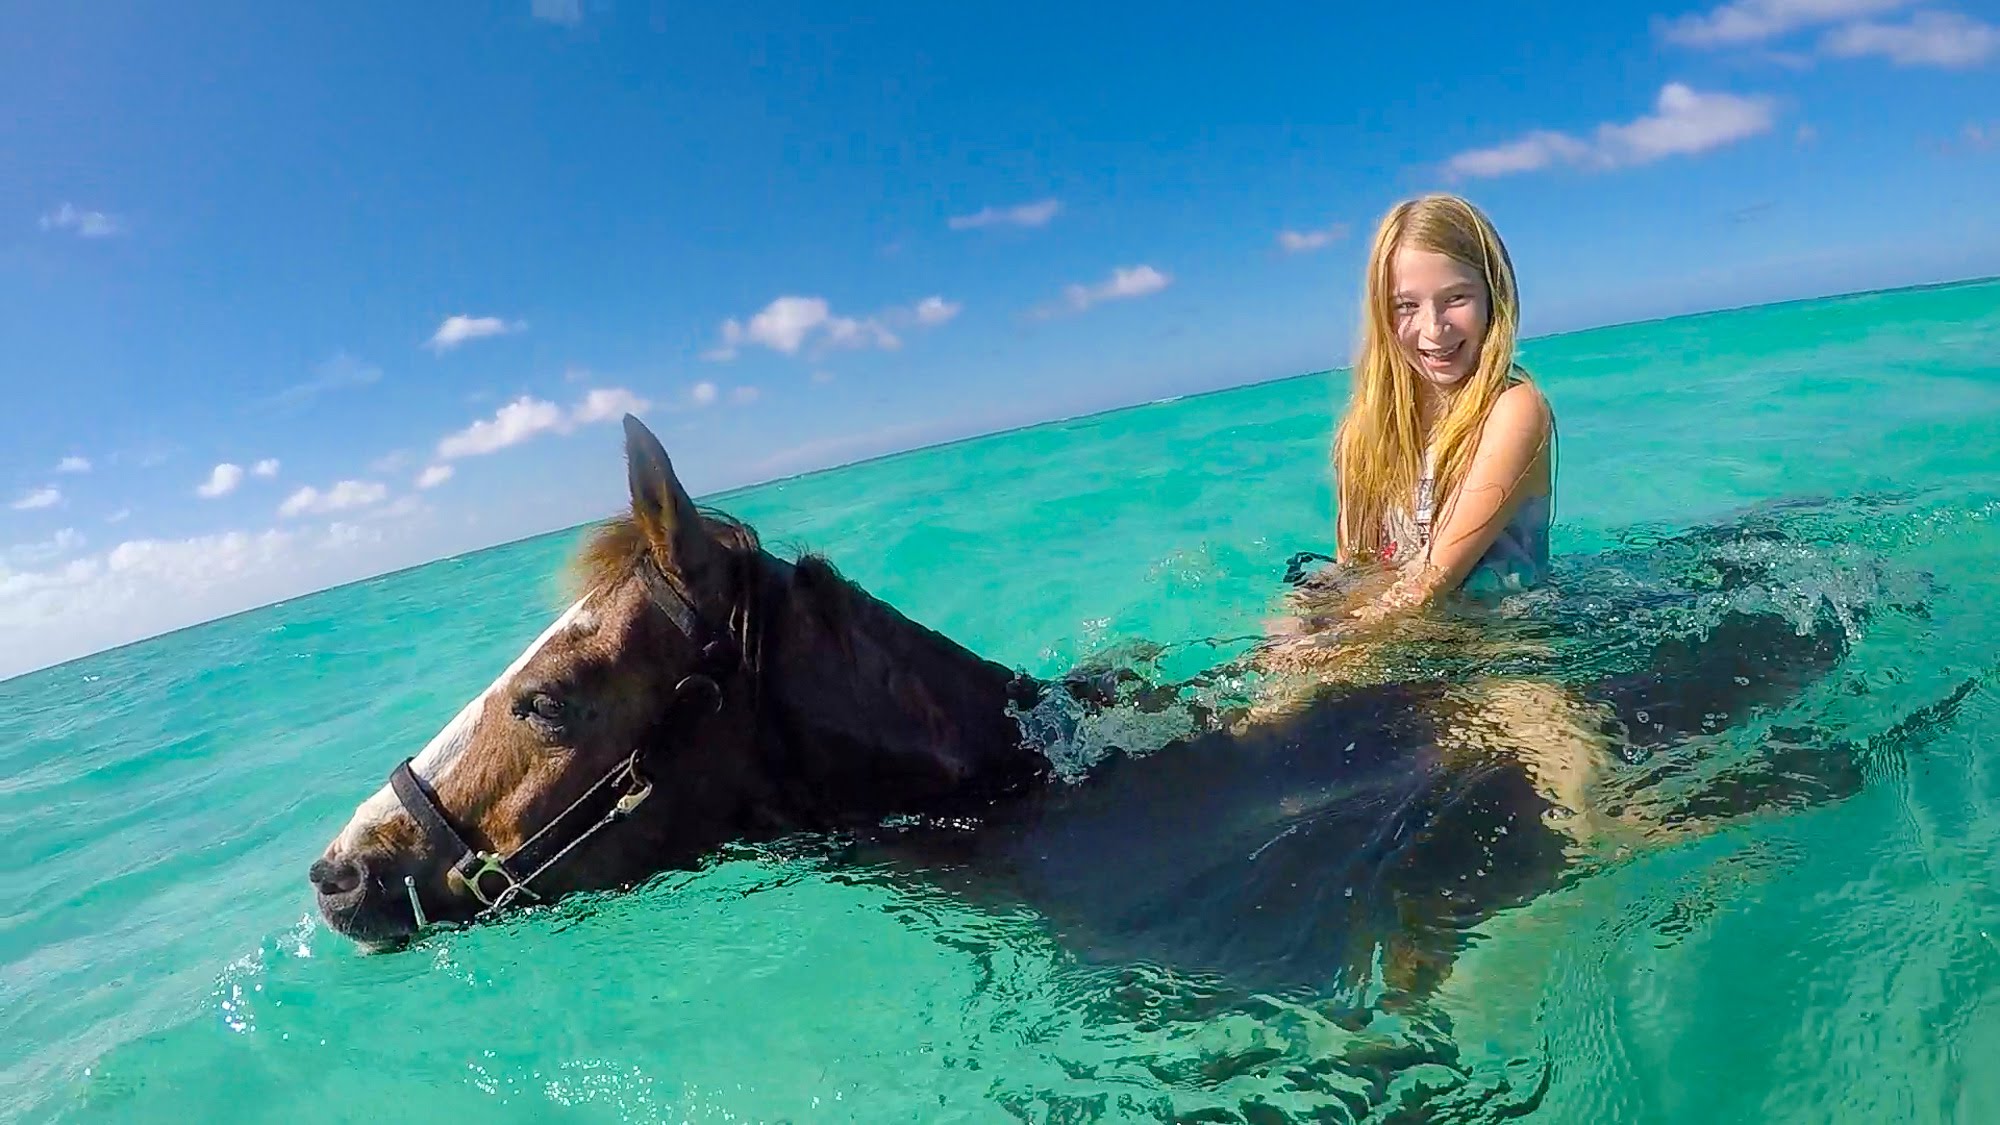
pixel 1512 443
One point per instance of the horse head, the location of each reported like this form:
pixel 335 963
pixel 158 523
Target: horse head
pixel 699 691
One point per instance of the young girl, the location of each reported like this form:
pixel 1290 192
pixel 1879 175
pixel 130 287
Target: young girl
pixel 1444 467
pixel 1444 458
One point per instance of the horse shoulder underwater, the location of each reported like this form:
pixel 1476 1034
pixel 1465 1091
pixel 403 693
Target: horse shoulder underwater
pixel 703 691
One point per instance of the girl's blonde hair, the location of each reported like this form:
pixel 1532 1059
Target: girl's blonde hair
pixel 1378 450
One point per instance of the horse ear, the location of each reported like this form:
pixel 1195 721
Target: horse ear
pixel 662 508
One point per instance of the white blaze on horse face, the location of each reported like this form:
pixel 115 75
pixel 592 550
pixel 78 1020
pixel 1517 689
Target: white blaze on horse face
pixel 434 762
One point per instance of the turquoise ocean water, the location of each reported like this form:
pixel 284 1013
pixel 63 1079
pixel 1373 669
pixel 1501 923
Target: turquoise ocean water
pixel 160 958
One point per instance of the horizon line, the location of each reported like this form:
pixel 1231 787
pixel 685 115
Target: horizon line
pixel 710 499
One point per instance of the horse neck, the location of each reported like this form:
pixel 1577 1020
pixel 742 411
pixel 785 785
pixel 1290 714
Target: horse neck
pixel 883 715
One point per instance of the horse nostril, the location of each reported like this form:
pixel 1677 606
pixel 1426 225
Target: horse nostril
pixel 335 877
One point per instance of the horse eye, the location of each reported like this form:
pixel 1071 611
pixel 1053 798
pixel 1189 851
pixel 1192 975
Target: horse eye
pixel 543 706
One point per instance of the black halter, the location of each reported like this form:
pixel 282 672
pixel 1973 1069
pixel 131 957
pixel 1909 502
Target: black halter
pixel 699 694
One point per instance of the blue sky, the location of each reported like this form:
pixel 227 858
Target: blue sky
pixel 292 296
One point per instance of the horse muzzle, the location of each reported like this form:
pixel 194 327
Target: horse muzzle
pixel 366 898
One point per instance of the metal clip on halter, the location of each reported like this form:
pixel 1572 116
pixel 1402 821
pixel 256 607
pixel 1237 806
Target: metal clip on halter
pixel 416 904
pixel 490 864
pixel 635 798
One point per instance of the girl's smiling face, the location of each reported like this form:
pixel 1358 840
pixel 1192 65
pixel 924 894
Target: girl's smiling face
pixel 1439 307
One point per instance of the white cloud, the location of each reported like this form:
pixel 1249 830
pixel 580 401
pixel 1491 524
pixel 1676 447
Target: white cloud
pixel 41 553
pixel 119 516
pixel 74 465
pixel 1299 242
pixel 1946 39
pixel 512 424
pixel 343 496
pixel 846 332
pixel 789 324
pixel 435 475
pixel 822 377
pixel 47 497
pixel 783 326
pixel 222 481
pixel 703 393
pixel 936 310
pixel 744 396
pixel 1036 214
pixel 1754 21
pixel 786 323
pixel 87 224
pixel 566 12
pixel 1536 150
pixel 1684 122
pixel 528 416
pixel 145 587
pixel 338 373
pixel 184 558
pixel 457 330
pixel 268 467
pixel 605 404
pixel 1125 283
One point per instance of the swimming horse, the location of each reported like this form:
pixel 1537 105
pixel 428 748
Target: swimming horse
pixel 703 691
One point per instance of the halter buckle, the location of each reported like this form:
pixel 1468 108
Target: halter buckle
pixel 633 799
pixel 490 864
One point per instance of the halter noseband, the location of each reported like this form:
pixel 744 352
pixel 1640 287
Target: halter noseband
pixel 615 795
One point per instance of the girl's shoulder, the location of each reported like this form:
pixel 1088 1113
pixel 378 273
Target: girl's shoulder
pixel 1522 406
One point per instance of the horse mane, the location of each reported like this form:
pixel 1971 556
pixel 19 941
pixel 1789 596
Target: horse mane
pixel 611 551
pixel 617 545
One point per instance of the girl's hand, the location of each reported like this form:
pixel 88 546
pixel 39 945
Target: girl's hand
pixel 1411 591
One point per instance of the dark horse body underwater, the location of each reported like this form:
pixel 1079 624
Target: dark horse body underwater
pixel 703 691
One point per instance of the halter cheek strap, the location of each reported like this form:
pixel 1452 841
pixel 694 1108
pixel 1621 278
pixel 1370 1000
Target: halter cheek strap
pixel 498 880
